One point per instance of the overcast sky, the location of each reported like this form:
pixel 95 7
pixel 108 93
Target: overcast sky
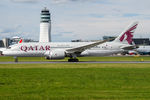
pixel 74 19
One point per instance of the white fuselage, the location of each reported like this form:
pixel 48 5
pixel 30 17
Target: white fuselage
pixel 39 49
pixel 144 50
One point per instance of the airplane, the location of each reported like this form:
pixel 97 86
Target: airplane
pixel 60 50
pixel 144 50
pixel 140 50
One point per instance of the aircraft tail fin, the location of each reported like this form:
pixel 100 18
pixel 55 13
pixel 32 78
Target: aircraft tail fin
pixel 127 35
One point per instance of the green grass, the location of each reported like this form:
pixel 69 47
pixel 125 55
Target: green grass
pixel 75 82
pixel 110 58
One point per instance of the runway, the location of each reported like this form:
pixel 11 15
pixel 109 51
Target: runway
pixel 82 62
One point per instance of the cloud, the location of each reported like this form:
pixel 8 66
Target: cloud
pixel 7 30
pixel 25 1
pixel 131 15
pixel 96 15
pixel 65 1
pixel 59 1
pixel 74 19
pixel 10 31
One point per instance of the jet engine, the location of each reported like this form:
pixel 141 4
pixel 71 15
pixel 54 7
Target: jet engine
pixel 55 54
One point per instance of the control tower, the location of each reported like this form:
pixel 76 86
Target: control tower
pixel 45 26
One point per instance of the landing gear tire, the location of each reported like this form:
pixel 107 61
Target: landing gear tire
pixel 73 60
pixel 15 59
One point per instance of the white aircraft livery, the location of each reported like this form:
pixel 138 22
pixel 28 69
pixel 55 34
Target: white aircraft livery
pixel 144 50
pixel 60 50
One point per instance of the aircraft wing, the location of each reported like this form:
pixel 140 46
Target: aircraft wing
pixel 82 48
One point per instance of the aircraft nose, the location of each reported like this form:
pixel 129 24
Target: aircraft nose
pixel 4 53
pixel 1 53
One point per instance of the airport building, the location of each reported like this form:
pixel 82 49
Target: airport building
pixel 109 37
pixel 45 26
pixel 141 41
pixel 6 42
pixel 137 41
pixel 1 43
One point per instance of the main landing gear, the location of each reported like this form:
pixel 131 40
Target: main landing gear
pixel 73 58
pixel 15 59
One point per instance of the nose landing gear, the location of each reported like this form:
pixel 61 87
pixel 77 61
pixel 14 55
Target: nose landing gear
pixel 15 59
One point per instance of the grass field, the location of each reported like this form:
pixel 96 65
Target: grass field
pixel 110 58
pixel 75 82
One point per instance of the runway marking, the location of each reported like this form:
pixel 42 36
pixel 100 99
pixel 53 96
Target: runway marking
pixel 90 62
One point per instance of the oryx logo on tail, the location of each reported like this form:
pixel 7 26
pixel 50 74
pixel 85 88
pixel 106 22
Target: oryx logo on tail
pixel 128 34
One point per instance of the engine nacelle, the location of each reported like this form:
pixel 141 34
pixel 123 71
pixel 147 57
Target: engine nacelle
pixel 55 54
